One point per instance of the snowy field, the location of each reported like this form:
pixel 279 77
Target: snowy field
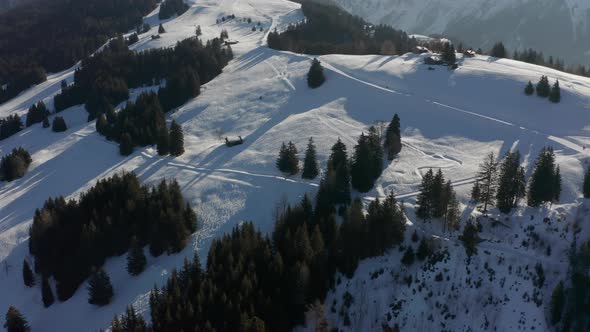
pixel 450 120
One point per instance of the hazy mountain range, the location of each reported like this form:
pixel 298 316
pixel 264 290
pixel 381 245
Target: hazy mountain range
pixel 556 27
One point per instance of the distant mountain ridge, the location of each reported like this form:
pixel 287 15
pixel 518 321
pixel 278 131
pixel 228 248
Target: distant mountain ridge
pixel 557 27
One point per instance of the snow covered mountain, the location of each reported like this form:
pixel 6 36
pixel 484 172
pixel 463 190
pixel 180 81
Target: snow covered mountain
pixel 450 120
pixel 556 27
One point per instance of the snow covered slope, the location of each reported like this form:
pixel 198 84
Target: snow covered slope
pixel 556 27
pixel 450 120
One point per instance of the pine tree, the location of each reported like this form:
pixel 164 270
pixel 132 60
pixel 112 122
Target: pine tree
pixel 360 168
pixel 476 193
pixel 130 321
pixel 408 258
pixel 198 31
pixel 470 238
pixel 453 213
pixel 161 29
pixel 498 50
pixel 586 188
pixel 310 164
pixel 487 179
pixel 511 182
pixel 281 162
pixel 59 124
pixel 136 259
pixel 15 322
pixel 424 201
pixel 176 139
pixel 28 276
pixel 530 89
pixel 438 196
pixel 292 160
pixel 46 122
pixel 163 145
pixel 555 93
pixel 338 174
pixel 449 55
pixel 557 303
pixel 543 88
pixel 393 143
pixel 315 76
pixel 102 125
pixel 545 182
pixel 126 145
pixel 46 293
pixel 100 290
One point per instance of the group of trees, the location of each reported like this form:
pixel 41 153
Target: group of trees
pixel 37 113
pixel 361 171
pixel 329 29
pixel 15 164
pixel 10 125
pixel 104 80
pixel 544 90
pixel 537 58
pixel 504 185
pixel 169 8
pixel 71 238
pixel 30 46
pixel 257 283
pixel 437 199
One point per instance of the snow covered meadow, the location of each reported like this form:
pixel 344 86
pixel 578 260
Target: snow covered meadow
pixel 450 120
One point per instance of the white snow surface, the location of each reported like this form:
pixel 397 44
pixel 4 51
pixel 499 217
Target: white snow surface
pixel 450 120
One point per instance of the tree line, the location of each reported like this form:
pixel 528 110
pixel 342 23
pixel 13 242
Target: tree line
pixel 30 46
pixel 329 29
pixel 361 170
pixel 71 238
pixel 169 8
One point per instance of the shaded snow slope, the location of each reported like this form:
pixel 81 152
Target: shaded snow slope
pixel 450 120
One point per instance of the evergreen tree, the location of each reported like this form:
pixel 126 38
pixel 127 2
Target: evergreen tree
pixel 59 124
pixel 530 89
pixel 470 238
pixel 453 213
pixel 46 293
pixel 198 31
pixel 543 88
pixel 46 122
pixel 586 188
pixel 102 125
pixel 338 174
pixel 545 182
pixel 100 290
pixel 126 145
pixel 130 321
pixel 360 168
pixel 28 276
pixel 498 50
pixel 287 161
pixel 161 29
pixel 438 196
pixel 476 193
pixel 37 112
pixel 408 257
pixel 163 146
pixel 315 76
pixel 557 303
pixel 511 182
pixel 136 259
pixel 176 139
pixel 487 179
pixel 555 93
pixel 393 143
pixel 449 55
pixel 310 163
pixel 424 199
pixel 423 250
pixel 15 322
